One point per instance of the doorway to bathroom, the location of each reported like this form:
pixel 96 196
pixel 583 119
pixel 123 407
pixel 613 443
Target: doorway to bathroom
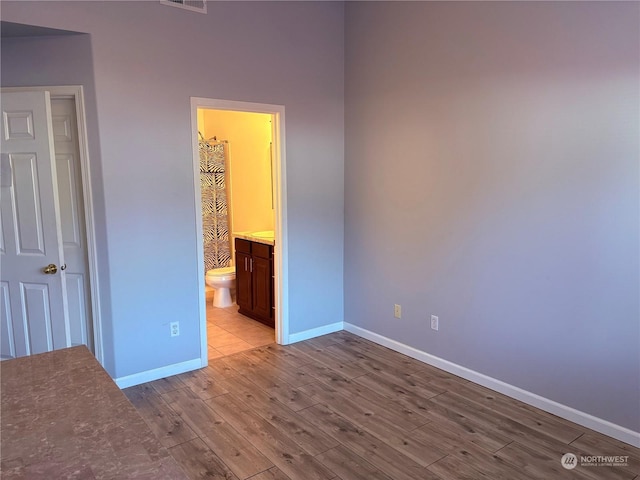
pixel 239 175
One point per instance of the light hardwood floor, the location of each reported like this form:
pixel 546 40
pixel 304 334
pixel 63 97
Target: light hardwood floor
pixel 341 407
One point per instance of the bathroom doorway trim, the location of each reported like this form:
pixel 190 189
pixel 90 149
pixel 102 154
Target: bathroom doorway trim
pixel 280 211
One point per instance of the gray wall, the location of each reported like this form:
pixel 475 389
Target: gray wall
pixel 148 59
pixel 491 178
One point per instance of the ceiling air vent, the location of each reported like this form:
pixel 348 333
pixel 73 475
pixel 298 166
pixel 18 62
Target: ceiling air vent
pixel 199 6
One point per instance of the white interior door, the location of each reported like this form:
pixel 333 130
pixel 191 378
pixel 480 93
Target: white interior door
pixel 33 304
pixel 70 195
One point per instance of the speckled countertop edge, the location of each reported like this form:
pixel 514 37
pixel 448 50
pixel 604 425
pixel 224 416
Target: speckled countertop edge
pixel 249 236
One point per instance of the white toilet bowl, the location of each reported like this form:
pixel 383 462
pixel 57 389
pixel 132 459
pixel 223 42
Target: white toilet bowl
pixel 222 280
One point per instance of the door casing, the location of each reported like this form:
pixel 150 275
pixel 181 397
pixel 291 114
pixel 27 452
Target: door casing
pixel 76 92
pixel 280 212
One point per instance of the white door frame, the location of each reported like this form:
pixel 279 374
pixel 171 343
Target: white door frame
pixel 279 176
pixel 77 93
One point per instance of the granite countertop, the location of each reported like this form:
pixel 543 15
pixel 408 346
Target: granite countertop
pixel 63 417
pixel 266 237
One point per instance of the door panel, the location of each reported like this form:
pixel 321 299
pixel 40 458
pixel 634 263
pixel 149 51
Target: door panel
pixel 36 308
pixel 62 122
pixel 18 125
pixel 36 305
pixel 67 195
pixel 243 281
pixel 72 219
pixel 77 308
pixel 25 199
pixel 2 249
pixel 262 286
pixel 7 345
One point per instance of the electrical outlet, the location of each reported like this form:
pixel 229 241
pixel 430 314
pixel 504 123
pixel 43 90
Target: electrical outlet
pixel 397 311
pixel 175 329
pixel 434 322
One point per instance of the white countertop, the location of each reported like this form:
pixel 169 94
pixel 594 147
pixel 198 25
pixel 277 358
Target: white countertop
pixel 266 237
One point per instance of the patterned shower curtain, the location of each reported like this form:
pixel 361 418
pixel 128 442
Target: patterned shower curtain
pixel 215 223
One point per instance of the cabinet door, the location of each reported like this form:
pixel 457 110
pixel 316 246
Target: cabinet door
pixel 243 281
pixel 262 286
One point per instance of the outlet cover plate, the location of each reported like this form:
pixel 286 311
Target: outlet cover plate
pixel 175 329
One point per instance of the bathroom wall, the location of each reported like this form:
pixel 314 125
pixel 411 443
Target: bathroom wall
pixel 249 137
pixel 492 179
pixel 200 120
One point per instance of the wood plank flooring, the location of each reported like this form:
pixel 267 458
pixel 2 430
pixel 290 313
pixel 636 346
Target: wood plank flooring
pixel 339 407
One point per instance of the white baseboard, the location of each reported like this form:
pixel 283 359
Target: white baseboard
pixel 157 373
pixel 315 332
pixel 581 418
pixel 196 363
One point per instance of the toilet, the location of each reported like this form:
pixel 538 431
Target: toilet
pixel 222 280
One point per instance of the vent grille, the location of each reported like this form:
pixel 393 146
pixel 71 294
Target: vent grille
pixel 199 6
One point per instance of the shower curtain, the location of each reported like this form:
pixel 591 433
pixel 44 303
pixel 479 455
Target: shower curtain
pixel 215 210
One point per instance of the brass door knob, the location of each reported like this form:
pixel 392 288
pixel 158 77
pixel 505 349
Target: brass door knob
pixel 50 269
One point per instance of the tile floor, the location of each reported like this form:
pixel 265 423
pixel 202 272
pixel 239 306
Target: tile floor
pixel 229 332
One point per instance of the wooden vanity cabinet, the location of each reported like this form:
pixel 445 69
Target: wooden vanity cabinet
pixel 254 280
